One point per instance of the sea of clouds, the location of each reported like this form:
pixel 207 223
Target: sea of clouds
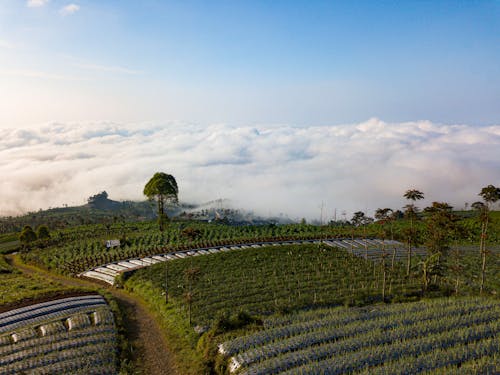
pixel 266 169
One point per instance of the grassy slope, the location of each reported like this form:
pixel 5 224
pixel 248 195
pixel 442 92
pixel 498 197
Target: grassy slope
pixel 18 288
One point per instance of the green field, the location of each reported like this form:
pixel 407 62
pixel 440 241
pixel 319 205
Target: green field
pixel 458 336
pixel 226 292
pixel 17 286
pixel 272 279
pixel 231 296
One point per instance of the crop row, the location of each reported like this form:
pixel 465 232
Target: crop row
pixel 342 324
pixel 356 337
pixel 403 339
pixel 265 280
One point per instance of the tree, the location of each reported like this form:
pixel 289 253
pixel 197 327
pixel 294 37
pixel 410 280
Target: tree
pixel 163 188
pixel 411 212
pixel 43 233
pixel 440 229
pixel 384 216
pixel 490 195
pixel 27 236
pixel 430 266
pixel 359 218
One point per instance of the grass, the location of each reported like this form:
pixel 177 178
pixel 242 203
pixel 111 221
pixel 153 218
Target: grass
pixel 20 288
pixel 9 242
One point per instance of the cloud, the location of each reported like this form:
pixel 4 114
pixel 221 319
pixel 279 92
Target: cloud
pixel 69 9
pixel 267 169
pixel 36 3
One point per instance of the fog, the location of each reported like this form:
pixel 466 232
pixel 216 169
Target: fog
pixel 268 169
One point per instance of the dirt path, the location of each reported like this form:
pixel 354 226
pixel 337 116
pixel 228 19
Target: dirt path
pixel 151 354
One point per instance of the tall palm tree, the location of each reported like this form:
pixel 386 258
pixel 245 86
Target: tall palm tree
pixel 411 211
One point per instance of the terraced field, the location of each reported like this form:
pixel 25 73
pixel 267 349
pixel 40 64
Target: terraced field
pixel 372 249
pixel 270 279
pixel 64 336
pixel 442 336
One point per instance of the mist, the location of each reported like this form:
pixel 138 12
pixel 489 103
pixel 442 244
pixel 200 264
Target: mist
pixel 267 169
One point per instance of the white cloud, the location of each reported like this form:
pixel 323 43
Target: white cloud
pixel 69 9
pixel 36 3
pixel 268 169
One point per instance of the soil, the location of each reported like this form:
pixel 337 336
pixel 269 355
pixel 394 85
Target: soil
pixel 150 352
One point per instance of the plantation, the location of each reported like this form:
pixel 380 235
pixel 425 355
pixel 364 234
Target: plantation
pixel 443 335
pixel 71 335
pixel 78 249
pixel 271 279
pixel 260 299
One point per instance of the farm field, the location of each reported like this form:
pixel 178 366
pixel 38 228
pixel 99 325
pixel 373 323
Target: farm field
pixel 439 336
pixel 74 250
pixel 224 294
pixel 271 279
pixel 70 335
pixel 373 249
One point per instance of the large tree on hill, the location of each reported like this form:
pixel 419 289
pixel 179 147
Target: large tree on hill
pixel 162 188
pixel 411 212
pixel 490 195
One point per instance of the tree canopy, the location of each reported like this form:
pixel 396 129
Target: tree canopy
pixel 163 188
pixel 27 235
pixel 490 194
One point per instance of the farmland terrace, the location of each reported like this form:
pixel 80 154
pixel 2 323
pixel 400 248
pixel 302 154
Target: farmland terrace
pixel 373 249
pixel 68 335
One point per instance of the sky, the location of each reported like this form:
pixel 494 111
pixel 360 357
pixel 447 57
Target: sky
pixel 278 92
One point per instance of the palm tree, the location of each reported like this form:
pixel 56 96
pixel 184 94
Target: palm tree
pixel 411 211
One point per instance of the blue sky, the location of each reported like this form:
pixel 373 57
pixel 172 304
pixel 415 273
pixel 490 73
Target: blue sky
pixel 249 62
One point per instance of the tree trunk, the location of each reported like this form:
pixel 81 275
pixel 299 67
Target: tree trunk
pixel 483 252
pixel 408 262
pixel 483 271
pixel 393 257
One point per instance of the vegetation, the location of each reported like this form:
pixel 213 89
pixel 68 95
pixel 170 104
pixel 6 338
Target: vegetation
pixel 443 336
pixel 163 188
pixel 75 339
pixel 271 279
pixel 18 287
pixel 229 296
